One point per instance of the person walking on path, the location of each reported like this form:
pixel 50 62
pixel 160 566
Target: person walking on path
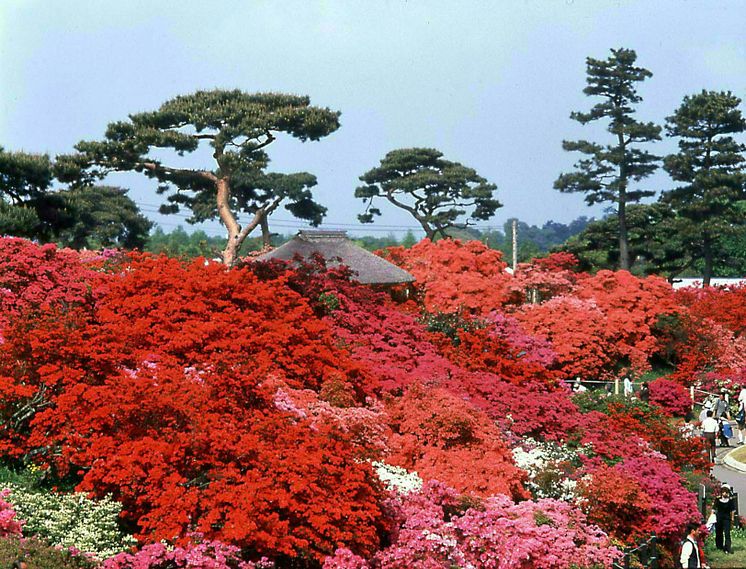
pixel 721 407
pixel 723 508
pixel 690 558
pixel 710 430
pixel 741 419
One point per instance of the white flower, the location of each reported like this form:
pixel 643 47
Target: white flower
pixel 398 479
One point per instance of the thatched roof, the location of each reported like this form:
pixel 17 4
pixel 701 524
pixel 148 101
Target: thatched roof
pixel 367 268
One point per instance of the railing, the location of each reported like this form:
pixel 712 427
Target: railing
pixel 646 554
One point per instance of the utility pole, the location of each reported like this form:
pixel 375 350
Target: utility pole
pixel 515 245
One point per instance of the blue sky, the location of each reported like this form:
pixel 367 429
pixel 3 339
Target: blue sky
pixel 490 84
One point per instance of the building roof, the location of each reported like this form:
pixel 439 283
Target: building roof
pixel 337 249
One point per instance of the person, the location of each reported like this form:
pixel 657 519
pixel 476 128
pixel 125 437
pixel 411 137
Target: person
pixel 721 407
pixel 725 431
pixel 724 507
pixel 705 408
pixel 578 387
pixel 628 387
pixel 741 420
pixel 19 564
pixel 742 393
pixel 645 392
pixel 690 558
pixel 710 429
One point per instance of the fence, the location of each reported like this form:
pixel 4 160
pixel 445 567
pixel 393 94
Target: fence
pixel 646 554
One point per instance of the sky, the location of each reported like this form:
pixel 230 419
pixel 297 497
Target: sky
pixel 489 84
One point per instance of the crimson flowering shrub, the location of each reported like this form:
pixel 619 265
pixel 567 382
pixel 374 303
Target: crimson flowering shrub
pixel 521 410
pixel 501 347
pixel 672 506
pixel 33 277
pixel 670 396
pixel 438 529
pixel 455 276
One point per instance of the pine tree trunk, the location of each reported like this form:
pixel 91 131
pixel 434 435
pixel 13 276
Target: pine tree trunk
pixel 230 253
pixel 266 235
pixel 708 258
pixel 624 263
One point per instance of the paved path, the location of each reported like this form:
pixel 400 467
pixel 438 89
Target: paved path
pixel 733 477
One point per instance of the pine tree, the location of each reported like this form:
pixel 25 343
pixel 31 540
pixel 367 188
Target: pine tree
pixel 710 163
pixel 438 193
pixel 238 127
pixel 607 171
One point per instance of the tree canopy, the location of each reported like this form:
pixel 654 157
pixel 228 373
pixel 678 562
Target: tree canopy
pixel 438 193
pixel 710 165
pixel 238 126
pixel 607 171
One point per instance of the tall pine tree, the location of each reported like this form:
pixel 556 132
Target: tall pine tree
pixel 606 172
pixel 710 163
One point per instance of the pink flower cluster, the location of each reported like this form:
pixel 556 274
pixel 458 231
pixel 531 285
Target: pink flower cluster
pixel 438 530
pixel 10 525
pixel 201 555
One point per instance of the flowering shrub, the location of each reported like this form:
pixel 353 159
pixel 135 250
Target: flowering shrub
pixel 203 554
pixel 37 276
pixel 454 276
pixel 438 529
pixel 549 466
pixel 70 520
pixel 40 555
pixel 670 396
pixel 442 437
pixel 161 398
pixel 10 524
pixel 398 479
pixel 724 305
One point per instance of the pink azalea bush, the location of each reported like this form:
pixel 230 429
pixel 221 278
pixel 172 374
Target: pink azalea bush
pixel 438 529
pixel 670 396
pixel 10 525
pixel 203 555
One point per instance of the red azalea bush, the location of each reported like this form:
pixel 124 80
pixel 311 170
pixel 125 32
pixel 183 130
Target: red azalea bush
pixel 33 277
pixel 724 305
pixel 670 396
pixel 500 347
pixel 159 398
pixel 444 438
pixel 632 307
pixel 455 276
pixel 578 332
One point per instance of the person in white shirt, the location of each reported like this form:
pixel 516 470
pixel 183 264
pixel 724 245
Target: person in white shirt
pixel 742 394
pixel 689 558
pixel 628 388
pixel 710 430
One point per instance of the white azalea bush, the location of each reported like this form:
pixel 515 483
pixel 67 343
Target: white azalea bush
pixel 70 520
pixel 546 464
pixel 397 479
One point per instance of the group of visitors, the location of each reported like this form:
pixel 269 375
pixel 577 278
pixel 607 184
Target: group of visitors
pixel 715 421
pixel 720 521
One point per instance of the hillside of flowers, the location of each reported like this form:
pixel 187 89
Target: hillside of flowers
pixel 160 413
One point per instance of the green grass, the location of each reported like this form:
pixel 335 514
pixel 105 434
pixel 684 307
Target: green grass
pixel 720 560
pixel 739 454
